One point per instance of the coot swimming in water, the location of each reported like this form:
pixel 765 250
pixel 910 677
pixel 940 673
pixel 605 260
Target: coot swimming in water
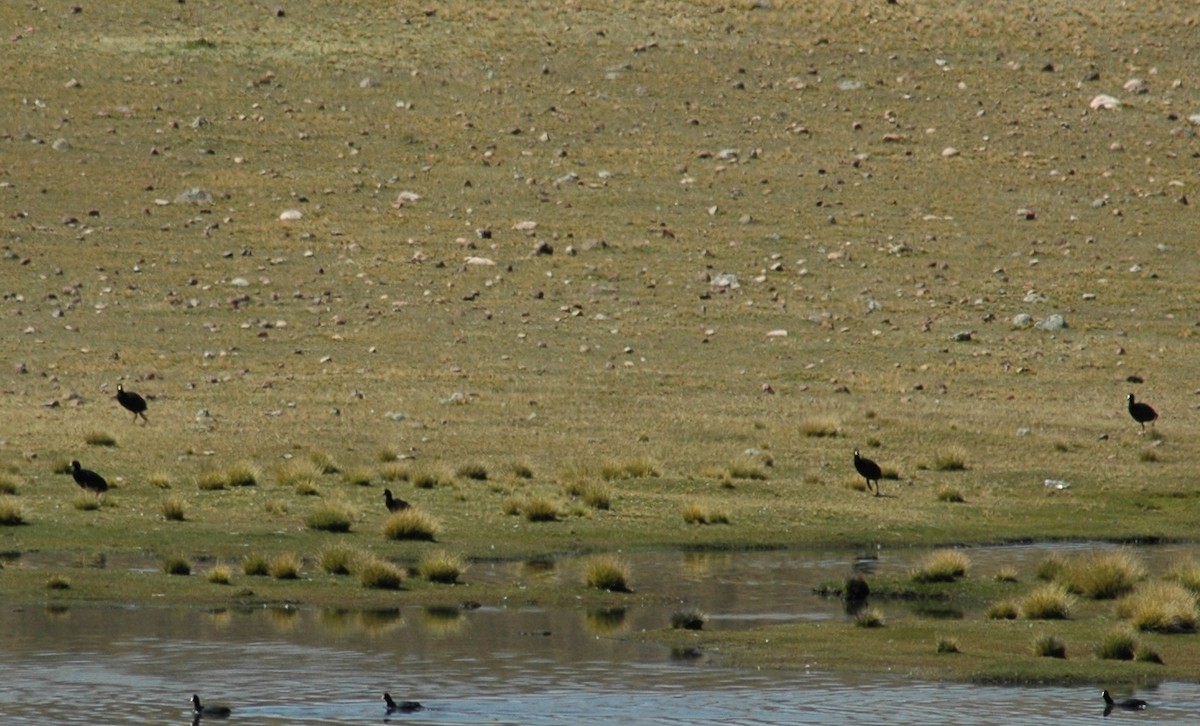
pixel 401 707
pixel 209 711
pixel 1129 704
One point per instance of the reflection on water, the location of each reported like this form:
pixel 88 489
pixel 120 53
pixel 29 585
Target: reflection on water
pixel 516 665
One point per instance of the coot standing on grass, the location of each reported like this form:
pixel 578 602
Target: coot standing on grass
pixel 1129 704
pixel 202 711
pixel 869 470
pixel 132 402
pixel 393 504
pixel 401 707
pixel 1143 413
pixel 88 479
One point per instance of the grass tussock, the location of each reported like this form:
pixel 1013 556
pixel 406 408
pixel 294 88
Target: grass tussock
pixel 330 517
pixel 359 478
pixel 297 472
pixel 176 565
pixel 540 509
pixel 745 471
pixel 869 617
pixel 1049 646
pixel 606 572
pixel 87 501
pixel 1051 567
pixel 220 575
pixel 284 566
pixel 1006 574
pixel 820 427
pixel 1104 575
pixel 947 646
pixel 1160 607
pixel 324 462
pixel 11 513
pixel 58 582
pixel 380 574
pixel 1002 610
pixel 9 483
pixel 1186 573
pixel 442 567
pixel 950 495
pixel 1048 602
pixel 160 480
pixel 637 468
pixel 338 559
pixel 387 455
pixel 941 566
pixel 172 509
pixel 100 438
pixel 411 524
pixel 688 619
pixel 255 565
pixel 393 472
pixel 697 513
pixel 243 474
pixel 1117 645
pixel 521 470
pixel 430 479
pixel 212 480
pixel 474 472
pixel 951 459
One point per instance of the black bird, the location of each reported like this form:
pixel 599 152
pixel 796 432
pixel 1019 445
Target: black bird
pixel 402 707
pixel 869 470
pixel 1129 704
pixel 1141 412
pixel 132 402
pixel 88 479
pixel 209 711
pixel 393 504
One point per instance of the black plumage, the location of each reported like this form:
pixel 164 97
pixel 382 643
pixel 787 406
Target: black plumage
pixel 210 711
pixel 132 402
pixel 869 470
pixel 1143 413
pixel 1129 704
pixel 88 479
pixel 393 504
pixel 402 706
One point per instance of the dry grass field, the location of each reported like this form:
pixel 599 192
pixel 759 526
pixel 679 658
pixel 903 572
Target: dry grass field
pixel 597 263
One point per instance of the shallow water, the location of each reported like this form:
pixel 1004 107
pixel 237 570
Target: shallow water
pixel 521 664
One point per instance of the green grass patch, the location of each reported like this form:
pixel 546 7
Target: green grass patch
pixel 1049 646
pixel 256 565
pixel 338 559
pixel 11 512
pixel 176 565
pixel 1116 645
pixel 941 566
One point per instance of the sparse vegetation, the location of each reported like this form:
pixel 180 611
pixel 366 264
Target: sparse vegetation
pixel 749 472
pixel 1048 602
pixel 243 474
pixel 1049 646
pixel 951 459
pixel 941 566
pixel 160 480
pixel 951 495
pixel 255 565
pixel 87 501
pixel 442 567
pixel 540 509
pixel 100 438
pixel 11 513
pixel 1006 574
pixel 57 582
pixel 284 566
pixel 1104 575
pixel 947 645
pixel 411 523
pixel 380 574
pixel 219 575
pixel 688 619
pixel 9 483
pixel 338 559
pixel 638 468
pixel 869 617
pixel 477 472
pixel 324 463
pixel 1116 645
pixel 330 517
pixel 1002 610
pixel 212 480
pixel 1160 607
pixel 359 478
pixel 177 565
pixel 606 572
pixel 172 509
pixel 819 427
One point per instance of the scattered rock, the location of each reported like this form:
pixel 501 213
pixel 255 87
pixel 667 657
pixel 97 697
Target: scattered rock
pixel 195 195
pixel 1022 320
pixel 1104 102
pixel 1054 322
pixel 290 215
